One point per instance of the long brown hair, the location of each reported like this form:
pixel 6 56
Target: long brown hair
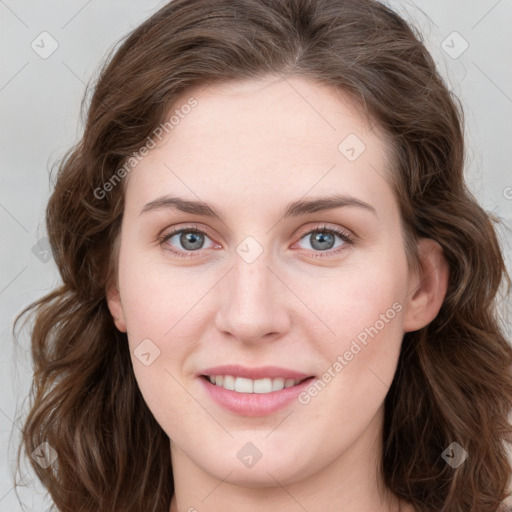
pixel 454 379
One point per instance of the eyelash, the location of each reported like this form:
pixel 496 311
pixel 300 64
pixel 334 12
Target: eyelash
pixel 348 239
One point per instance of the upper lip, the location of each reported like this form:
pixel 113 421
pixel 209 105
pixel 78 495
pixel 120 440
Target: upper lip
pixel 262 372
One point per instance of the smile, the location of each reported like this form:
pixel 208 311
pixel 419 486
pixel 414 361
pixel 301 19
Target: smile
pixel 253 391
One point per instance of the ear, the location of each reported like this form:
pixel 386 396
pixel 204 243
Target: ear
pixel 428 286
pixel 116 308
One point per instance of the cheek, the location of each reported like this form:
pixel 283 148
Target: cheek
pixel 160 322
pixel 358 297
pixel 359 360
pixel 363 307
pixel 162 308
pixel 156 298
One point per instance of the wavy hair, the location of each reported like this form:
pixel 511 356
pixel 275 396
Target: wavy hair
pixel 454 380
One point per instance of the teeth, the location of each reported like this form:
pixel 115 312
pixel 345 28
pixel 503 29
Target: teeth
pixel 277 384
pixel 229 382
pixel 263 386
pixel 243 385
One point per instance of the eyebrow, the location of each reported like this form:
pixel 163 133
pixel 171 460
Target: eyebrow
pixel 294 209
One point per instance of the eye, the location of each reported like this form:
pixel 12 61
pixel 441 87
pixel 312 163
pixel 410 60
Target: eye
pixel 186 240
pixel 323 239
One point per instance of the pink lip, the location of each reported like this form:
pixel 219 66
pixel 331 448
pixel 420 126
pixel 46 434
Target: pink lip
pixel 254 404
pixel 264 372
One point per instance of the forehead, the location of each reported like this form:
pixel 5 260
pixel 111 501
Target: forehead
pixel 264 138
pixel 267 112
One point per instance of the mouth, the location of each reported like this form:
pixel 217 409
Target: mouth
pixel 253 391
pixel 246 385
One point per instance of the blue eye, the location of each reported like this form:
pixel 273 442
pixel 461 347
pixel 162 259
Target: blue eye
pixel 323 241
pixel 188 241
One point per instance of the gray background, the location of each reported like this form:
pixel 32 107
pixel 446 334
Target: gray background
pixel 40 104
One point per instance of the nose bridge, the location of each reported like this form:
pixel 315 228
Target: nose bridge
pixel 252 305
pixel 251 283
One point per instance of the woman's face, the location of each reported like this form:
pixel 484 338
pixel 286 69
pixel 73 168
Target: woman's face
pixel 261 247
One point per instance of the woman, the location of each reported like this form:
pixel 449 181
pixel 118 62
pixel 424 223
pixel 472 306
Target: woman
pixel 278 293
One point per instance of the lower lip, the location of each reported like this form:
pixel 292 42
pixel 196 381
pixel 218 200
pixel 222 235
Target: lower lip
pixel 254 404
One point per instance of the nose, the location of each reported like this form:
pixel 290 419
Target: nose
pixel 253 303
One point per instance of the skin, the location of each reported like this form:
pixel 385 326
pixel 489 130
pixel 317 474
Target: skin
pixel 248 149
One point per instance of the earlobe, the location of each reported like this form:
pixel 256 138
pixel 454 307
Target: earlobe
pixel 116 308
pixel 428 286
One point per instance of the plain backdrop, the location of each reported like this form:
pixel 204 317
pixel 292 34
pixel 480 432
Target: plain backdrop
pixel 42 84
